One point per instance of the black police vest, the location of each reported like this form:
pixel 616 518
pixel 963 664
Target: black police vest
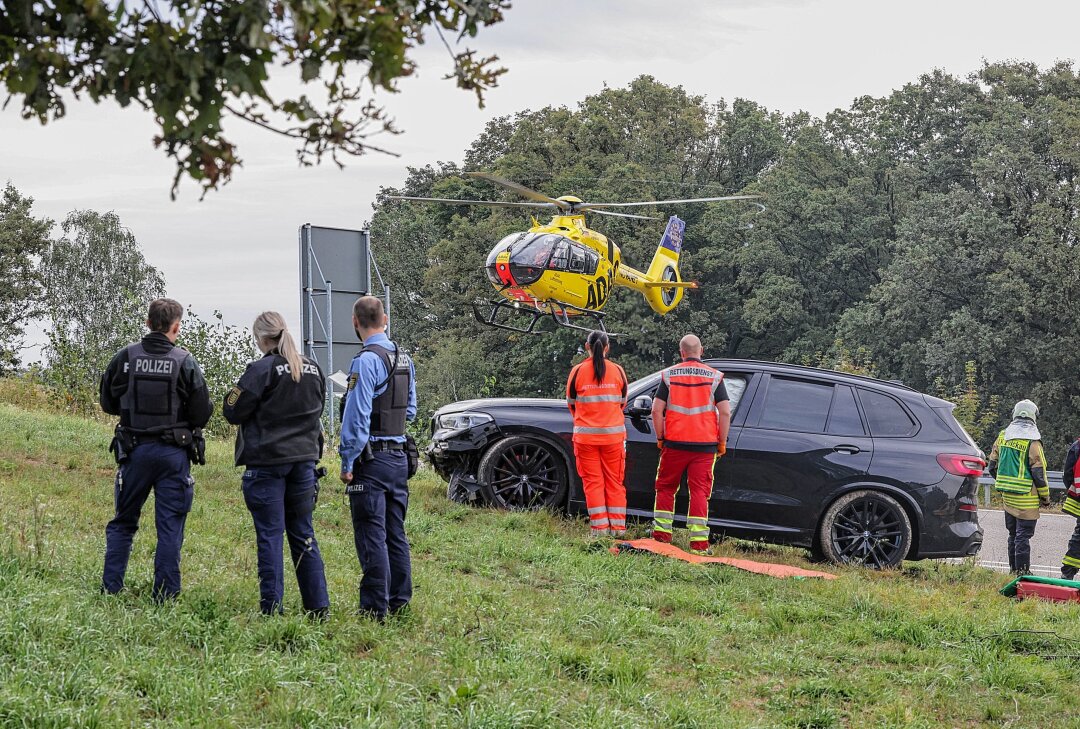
pixel 388 409
pixel 152 400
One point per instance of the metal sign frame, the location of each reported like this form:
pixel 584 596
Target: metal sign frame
pixel 316 287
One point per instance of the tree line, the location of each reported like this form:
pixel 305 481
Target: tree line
pixel 89 284
pixel 926 236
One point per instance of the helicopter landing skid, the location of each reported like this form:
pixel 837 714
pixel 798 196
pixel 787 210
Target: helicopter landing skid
pixel 559 312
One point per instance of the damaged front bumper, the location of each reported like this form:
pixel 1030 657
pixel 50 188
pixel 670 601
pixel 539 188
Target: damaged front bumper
pixel 455 455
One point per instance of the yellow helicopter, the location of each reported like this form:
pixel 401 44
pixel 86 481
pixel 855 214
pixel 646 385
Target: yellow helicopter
pixel 564 270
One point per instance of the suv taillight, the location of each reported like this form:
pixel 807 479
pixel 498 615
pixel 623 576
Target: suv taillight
pixel 961 465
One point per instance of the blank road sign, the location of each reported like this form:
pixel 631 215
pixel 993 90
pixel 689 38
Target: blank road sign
pixel 332 260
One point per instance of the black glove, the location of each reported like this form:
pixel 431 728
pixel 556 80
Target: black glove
pixel 197 451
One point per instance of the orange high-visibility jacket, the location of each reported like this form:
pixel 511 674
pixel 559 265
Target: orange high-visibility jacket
pixel 690 414
pixel 597 407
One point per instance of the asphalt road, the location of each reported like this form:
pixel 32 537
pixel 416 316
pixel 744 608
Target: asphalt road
pixel 1047 546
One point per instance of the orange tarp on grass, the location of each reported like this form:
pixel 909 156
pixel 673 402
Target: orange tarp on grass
pixel 762 568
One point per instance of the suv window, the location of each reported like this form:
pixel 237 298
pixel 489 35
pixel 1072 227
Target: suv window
pixel 735 385
pixel 796 405
pixel 885 415
pixel 844 416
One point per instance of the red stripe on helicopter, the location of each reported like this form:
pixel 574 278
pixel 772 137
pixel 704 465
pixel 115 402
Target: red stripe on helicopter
pixel 502 270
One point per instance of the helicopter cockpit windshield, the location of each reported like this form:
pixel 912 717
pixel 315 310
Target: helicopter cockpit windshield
pixel 529 258
pixel 533 253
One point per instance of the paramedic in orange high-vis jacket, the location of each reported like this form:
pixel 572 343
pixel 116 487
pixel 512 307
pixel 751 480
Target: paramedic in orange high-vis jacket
pixel 596 396
pixel 691 415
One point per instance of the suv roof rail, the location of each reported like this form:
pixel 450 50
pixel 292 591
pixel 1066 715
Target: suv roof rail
pixel 805 368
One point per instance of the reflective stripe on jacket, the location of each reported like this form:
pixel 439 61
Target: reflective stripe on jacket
pixel 690 416
pixel 597 407
pixel 1013 475
pixel 1014 481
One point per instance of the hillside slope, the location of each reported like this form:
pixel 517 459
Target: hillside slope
pixel 519 621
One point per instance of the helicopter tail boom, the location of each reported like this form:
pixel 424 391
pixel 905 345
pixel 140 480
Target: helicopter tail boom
pixel 670 284
pixel 663 285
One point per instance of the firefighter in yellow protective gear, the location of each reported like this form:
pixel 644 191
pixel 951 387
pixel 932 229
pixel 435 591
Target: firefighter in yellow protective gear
pixel 1018 465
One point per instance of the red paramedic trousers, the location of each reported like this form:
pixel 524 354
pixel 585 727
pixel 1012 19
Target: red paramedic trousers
pixel 602 468
pixel 698 467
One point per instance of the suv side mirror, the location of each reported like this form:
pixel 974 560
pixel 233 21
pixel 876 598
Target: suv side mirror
pixel 640 407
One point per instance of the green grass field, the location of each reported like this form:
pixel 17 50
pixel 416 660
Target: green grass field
pixel 519 620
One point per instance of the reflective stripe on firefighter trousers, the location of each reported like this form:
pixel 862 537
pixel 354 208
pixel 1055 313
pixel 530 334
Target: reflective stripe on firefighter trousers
pixel 663 521
pixel 698 527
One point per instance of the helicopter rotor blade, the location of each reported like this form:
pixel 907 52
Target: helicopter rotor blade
pixel 593 206
pixel 490 203
pixel 622 215
pixel 519 189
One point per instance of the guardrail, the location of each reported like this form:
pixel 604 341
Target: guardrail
pixel 1057 488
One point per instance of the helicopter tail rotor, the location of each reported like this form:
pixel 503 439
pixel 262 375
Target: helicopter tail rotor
pixel 663 288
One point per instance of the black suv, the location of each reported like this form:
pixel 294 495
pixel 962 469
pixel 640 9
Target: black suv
pixel 855 469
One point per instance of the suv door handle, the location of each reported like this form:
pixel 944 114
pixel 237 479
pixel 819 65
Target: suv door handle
pixel 845 448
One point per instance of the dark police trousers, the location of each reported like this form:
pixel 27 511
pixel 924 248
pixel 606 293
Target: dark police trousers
pixel 1020 533
pixel 167 470
pixel 378 516
pixel 281 499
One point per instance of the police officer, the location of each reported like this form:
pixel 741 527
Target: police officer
pixel 691 415
pixel 160 394
pixel 278 405
pixel 381 397
pixel 1018 464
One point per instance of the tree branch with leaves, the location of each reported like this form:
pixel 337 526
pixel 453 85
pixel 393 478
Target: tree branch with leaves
pixel 196 63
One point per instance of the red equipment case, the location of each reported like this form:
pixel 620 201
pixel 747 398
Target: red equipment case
pixel 1057 593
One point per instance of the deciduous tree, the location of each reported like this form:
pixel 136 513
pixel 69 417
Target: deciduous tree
pixel 22 239
pixel 97 288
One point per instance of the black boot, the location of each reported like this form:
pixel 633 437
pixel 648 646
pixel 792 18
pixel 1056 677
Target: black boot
pixel 1068 573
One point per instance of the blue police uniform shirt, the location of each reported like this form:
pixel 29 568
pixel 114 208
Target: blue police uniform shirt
pixel 365 373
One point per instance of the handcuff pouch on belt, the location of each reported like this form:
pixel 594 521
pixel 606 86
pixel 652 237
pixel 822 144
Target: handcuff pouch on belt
pixel 190 439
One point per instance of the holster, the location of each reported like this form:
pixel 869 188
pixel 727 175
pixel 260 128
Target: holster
pixel 412 455
pixel 123 443
pixel 320 473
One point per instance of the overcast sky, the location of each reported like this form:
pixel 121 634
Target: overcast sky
pixel 237 250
